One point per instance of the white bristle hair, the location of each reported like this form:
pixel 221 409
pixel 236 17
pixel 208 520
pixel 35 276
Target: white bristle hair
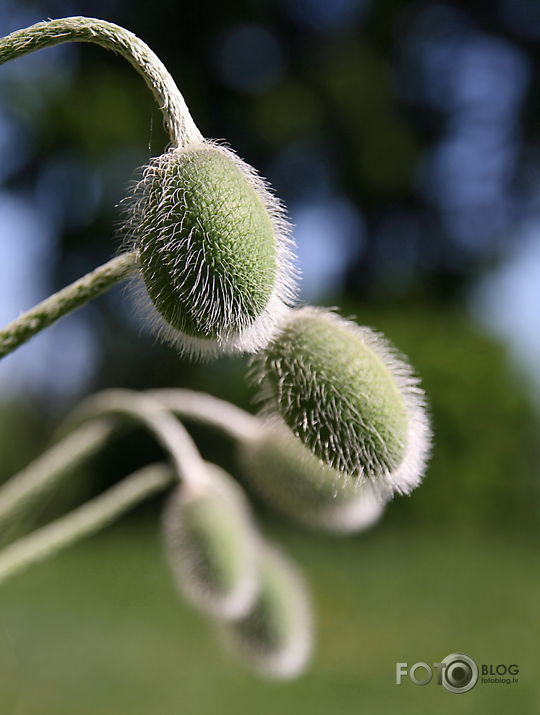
pixel 242 335
pixel 348 459
pixel 181 555
pixel 297 483
pixel 289 658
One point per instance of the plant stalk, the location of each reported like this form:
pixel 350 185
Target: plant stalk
pixel 149 412
pixel 21 491
pixel 177 119
pixel 90 426
pixel 65 301
pixel 209 410
pixel 85 520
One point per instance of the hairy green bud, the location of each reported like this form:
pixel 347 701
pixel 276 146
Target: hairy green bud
pixel 210 544
pixel 214 250
pixel 348 396
pixel 297 483
pixel 275 637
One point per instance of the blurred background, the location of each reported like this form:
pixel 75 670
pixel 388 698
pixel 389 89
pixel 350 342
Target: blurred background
pixel 404 138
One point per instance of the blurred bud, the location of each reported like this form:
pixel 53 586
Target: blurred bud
pixel 214 249
pixel 349 397
pixel 300 485
pixel 211 546
pixel 275 637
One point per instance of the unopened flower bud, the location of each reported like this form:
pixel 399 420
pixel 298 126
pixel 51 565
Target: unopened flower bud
pixel 211 546
pixel 275 637
pixel 349 397
pixel 299 484
pixel 214 250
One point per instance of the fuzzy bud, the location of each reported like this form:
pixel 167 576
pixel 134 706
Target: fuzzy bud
pixel 275 637
pixel 214 250
pixel 210 544
pixel 297 483
pixel 349 397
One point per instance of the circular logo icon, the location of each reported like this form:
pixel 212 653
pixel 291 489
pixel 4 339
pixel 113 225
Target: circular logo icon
pixel 460 674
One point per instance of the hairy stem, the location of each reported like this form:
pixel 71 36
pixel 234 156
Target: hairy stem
pixel 85 520
pixel 65 301
pixel 148 411
pixel 199 406
pixel 40 476
pixel 177 119
pixel 84 440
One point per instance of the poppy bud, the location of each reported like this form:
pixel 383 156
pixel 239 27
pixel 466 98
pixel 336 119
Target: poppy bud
pixel 275 637
pixel 349 397
pixel 297 483
pixel 214 250
pixel 211 546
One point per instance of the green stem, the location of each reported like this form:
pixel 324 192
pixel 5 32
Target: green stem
pixel 65 301
pixel 157 419
pixel 21 491
pixel 85 520
pixel 84 440
pixel 210 410
pixel 177 119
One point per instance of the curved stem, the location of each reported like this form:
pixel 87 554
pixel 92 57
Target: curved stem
pixel 83 440
pixel 65 301
pixel 85 520
pixel 177 119
pixel 168 431
pixel 39 476
pixel 153 409
pixel 199 406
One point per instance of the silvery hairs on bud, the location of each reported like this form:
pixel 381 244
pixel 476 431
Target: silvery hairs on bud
pixel 214 248
pixel 211 546
pixel 300 485
pixel 276 636
pixel 349 397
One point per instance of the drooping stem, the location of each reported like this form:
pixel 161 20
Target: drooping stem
pixel 85 520
pixel 209 410
pixel 148 411
pixel 178 122
pixel 85 439
pixel 37 478
pixel 177 119
pixel 65 301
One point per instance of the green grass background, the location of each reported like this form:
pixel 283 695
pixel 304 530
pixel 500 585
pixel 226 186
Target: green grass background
pixel 101 630
pixel 454 567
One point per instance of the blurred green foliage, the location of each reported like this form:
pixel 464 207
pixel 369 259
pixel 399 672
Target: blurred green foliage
pixel 484 469
pixel 450 568
pixel 101 630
